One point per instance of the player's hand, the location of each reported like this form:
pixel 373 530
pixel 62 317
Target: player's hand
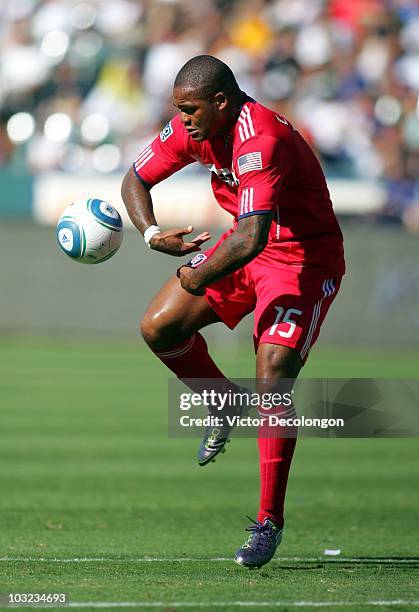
pixel 188 280
pixel 172 242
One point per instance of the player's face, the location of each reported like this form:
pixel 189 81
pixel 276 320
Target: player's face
pixel 201 118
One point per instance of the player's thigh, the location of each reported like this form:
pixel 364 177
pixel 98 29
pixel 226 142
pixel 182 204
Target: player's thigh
pixel 174 314
pixel 291 309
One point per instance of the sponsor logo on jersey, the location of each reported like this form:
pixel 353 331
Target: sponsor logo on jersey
pixel 224 174
pixel 166 131
pixel 250 161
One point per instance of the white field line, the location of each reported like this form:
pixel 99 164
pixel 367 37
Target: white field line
pixel 238 604
pixel 205 559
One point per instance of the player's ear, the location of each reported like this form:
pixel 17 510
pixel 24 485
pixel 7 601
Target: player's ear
pixel 220 100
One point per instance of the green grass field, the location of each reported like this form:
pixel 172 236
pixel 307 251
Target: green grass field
pixel 96 500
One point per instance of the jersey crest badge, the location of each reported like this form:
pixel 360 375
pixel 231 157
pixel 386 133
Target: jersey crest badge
pixel 166 131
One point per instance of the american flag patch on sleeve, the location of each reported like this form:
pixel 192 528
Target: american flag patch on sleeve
pixel 250 161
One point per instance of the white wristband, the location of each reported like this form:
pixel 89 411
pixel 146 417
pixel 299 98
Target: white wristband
pixel 150 232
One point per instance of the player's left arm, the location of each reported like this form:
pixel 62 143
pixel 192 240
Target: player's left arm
pixel 241 246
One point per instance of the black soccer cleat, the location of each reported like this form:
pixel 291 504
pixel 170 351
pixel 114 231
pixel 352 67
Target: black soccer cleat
pixel 261 544
pixel 215 438
pixel 213 443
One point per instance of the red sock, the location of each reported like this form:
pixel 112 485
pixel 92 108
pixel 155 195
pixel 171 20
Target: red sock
pixel 275 456
pixel 190 360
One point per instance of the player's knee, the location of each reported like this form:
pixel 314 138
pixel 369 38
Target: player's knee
pixel 150 329
pixel 278 362
pixel 155 330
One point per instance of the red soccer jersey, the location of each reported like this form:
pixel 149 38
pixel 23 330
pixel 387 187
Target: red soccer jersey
pixel 262 165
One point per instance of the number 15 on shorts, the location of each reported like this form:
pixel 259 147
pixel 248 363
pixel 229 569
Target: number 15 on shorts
pixel 285 318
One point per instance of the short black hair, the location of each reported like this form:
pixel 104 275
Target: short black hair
pixel 206 75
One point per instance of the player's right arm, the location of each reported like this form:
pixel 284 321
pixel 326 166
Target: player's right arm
pixel 164 156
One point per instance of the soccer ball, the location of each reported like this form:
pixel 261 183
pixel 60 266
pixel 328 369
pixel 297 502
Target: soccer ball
pixel 90 231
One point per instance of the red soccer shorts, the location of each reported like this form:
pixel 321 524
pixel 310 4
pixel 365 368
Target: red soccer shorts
pixel 289 303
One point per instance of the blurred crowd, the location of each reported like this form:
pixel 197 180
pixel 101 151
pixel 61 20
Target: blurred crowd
pixel 85 83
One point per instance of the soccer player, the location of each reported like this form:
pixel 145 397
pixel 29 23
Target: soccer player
pixel 282 259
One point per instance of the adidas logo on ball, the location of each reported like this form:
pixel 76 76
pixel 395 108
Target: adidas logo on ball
pixel 90 231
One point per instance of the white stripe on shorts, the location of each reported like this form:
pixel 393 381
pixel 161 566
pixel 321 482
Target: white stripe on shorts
pixel 328 290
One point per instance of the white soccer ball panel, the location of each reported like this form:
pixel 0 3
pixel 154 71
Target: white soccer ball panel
pixel 90 231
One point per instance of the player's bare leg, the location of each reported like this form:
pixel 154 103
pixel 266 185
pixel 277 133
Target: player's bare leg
pixel 171 327
pixel 273 364
pixel 174 316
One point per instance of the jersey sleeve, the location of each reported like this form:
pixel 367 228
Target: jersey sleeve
pixel 260 165
pixel 164 156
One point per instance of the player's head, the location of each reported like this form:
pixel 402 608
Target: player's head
pixel 207 94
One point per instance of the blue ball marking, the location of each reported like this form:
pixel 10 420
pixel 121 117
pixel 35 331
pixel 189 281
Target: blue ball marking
pixel 112 222
pixel 70 227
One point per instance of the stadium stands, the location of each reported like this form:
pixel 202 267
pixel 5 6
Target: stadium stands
pixel 85 83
